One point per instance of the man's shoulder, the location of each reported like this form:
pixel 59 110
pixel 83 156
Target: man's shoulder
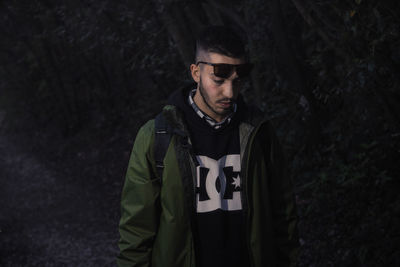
pixel 168 117
pixel 148 126
pixel 145 133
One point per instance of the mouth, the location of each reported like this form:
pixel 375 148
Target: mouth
pixel 225 104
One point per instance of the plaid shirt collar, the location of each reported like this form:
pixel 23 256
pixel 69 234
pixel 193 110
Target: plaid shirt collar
pixel 213 123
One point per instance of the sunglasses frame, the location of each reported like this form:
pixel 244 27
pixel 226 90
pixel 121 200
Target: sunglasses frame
pixel 234 68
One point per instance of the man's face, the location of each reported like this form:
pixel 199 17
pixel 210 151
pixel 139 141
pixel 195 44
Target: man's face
pixel 215 96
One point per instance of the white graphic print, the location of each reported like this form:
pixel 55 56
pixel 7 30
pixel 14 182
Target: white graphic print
pixel 218 183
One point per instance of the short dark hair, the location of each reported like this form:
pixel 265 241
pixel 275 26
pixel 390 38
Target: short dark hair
pixel 222 40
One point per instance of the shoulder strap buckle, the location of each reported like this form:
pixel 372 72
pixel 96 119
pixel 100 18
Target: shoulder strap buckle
pixel 161 142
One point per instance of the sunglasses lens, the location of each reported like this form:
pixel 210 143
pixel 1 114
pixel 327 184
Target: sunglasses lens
pixel 223 70
pixel 243 69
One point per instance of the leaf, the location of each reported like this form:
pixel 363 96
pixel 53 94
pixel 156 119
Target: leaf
pixel 324 177
pixel 371 67
pixel 352 13
pixel 358 2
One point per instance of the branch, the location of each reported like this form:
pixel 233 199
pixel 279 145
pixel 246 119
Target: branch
pixel 323 18
pixel 212 14
pixel 310 21
pixel 178 32
pixel 229 13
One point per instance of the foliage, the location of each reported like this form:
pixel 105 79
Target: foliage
pixel 73 61
pixel 327 76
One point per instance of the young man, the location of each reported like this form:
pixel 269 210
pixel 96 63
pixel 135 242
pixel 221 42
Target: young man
pixel 221 195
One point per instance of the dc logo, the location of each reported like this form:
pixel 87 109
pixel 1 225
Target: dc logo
pixel 218 183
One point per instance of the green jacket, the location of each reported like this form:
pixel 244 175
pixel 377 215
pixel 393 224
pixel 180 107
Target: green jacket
pixel 157 218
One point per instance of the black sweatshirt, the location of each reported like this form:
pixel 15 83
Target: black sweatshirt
pixel 219 218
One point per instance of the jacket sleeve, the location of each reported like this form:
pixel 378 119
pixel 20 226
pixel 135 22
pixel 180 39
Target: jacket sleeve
pixel 139 203
pixel 284 214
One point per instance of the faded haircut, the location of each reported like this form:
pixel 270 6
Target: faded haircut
pixel 222 40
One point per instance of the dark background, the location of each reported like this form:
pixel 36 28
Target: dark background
pixel 78 78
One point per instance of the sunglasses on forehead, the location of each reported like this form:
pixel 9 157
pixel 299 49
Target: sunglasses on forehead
pixel 223 70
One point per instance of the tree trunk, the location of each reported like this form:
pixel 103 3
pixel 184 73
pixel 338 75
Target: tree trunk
pixel 294 72
pixel 178 30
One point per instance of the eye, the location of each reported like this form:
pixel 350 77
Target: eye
pixel 219 81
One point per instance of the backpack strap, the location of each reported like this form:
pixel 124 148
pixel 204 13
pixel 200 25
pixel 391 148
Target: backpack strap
pixel 162 139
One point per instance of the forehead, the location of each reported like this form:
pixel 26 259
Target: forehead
pixel 219 58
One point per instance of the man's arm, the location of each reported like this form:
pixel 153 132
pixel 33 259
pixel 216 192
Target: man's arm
pixel 284 212
pixel 139 203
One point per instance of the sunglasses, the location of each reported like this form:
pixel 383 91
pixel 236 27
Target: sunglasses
pixel 223 70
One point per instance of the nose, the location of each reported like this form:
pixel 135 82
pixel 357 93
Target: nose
pixel 230 87
pixel 228 90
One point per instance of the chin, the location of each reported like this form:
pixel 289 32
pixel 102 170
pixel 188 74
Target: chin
pixel 223 112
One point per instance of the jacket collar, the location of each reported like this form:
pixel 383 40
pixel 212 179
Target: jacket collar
pixel 172 112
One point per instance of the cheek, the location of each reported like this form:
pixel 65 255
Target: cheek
pixel 210 87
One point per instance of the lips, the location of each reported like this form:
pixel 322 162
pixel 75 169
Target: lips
pixel 225 104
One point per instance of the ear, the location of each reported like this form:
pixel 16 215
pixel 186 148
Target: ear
pixel 195 71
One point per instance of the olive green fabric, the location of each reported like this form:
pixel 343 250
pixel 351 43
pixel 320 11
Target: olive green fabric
pixel 156 221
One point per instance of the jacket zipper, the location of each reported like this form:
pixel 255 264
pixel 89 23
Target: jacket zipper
pixel 193 164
